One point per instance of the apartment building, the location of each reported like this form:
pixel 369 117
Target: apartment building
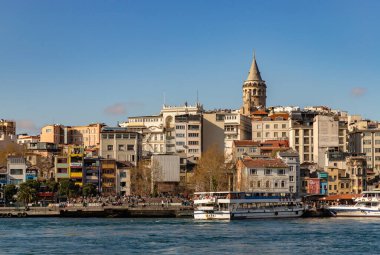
pixel 270 127
pixel 120 144
pixel 365 138
pixel 236 127
pixel 262 175
pixel 87 136
pixel 291 159
pixel 188 135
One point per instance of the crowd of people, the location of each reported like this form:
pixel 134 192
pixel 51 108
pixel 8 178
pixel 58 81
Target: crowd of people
pixel 163 200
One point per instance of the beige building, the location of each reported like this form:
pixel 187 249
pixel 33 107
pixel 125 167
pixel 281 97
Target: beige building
pixel 120 144
pixel 52 134
pixel 158 131
pixel 236 127
pixel 367 141
pixel 272 127
pixel 244 148
pixel 188 135
pixel 87 136
pixel 213 130
pixel 312 134
pixel 262 175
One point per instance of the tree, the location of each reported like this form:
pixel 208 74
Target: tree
pixel 141 177
pixel 28 191
pixel 212 172
pixel 67 188
pixel 10 191
pixel 89 189
pixel 52 185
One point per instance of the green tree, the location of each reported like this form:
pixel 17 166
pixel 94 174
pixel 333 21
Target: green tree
pixel 89 189
pixel 28 191
pixel 52 185
pixel 10 191
pixel 67 188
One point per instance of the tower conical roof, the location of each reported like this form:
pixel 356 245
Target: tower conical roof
pixel 254 73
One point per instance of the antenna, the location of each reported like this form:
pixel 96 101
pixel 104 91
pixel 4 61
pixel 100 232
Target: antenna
pixel 164 98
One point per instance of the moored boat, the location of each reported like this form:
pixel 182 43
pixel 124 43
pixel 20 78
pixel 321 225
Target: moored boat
pixel 368 205
pixel 245 205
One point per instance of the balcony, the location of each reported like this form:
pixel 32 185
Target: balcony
pixel 76 175
pixel 62 175
pixel 112 176
pixel 62 165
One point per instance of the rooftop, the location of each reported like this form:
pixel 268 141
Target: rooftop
pixel 268 163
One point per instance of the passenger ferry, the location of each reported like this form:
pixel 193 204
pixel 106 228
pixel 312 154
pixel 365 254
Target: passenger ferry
pixel 245 205
pixel 368 205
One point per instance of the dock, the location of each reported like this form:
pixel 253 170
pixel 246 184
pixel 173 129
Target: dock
pixel 99 211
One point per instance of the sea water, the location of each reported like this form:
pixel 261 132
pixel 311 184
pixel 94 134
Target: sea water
pixel 187 236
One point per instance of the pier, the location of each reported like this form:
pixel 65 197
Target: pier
pixel 99 211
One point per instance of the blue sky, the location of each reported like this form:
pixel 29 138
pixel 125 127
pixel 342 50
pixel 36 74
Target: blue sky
pixel 77 62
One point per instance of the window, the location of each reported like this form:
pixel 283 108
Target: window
pixel 259 184
pixel 193 150
pixel 283 125
pixel 121 147
pixel 110 136
pixel 130 147
pixel 291 178
pixel 16 171
pixel 366 141
pixel 253 149
pixel 193 142
pixel 275 134
pixel 180 135
pixel 118 136
pixel 240 149
pixel 268 171
pixel 267 184
pixel 109 147
pixel 291 189
pixel 104 136
pixel 275 126
pixel 259 134
pixel 267 126
pixel 282 184
pixel 193 134
pixel 367 150
pixel 193 127
pixel 180 143
pixel 281 172
pixel 179 127
pixel 253 171
pixel 283 134
pixel 267 134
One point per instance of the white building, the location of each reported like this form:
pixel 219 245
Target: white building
pixel 291 159
pixel 16 167
pixel 236 127
pixel 262 175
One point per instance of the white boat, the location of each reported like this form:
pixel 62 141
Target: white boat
pixel 245 205
pixel 368 205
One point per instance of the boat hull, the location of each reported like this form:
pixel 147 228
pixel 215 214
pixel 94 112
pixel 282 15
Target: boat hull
pixel 355 212
pixel 236 215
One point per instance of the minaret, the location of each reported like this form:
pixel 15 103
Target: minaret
pixel 254 90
